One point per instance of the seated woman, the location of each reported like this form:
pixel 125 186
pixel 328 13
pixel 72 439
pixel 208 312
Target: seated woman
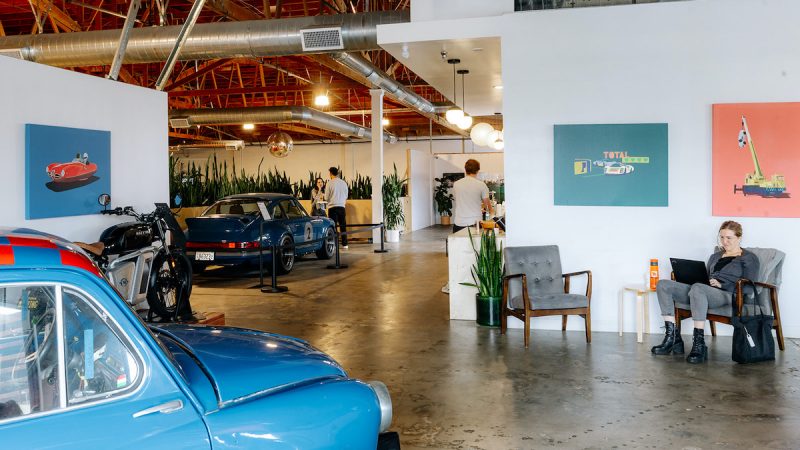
pixel 725 267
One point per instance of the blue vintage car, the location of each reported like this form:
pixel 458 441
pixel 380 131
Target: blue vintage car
pixel 80 370
pixel 227 233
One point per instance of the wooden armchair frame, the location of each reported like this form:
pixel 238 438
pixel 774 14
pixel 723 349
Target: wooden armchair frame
pixel 527 312
pixel 738 298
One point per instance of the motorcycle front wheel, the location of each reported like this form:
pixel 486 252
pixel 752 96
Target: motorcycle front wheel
pixel 170 284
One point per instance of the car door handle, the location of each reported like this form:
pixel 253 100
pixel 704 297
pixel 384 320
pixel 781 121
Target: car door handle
pixel 164 408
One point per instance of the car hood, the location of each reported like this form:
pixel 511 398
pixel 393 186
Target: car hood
pixel 248 363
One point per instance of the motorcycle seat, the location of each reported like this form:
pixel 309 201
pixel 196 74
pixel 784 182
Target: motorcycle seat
pixel 95 248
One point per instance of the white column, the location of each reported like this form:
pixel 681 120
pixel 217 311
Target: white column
pixel 377 160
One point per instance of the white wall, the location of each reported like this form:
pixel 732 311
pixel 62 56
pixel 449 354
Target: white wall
pixel 136 118
pixel 422 10
pixel 665 62
pixel 421 187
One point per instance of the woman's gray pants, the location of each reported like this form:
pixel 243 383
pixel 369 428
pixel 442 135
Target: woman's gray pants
pixel 700 297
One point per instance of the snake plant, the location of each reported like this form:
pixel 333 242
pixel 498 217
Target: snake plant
pixel 487 272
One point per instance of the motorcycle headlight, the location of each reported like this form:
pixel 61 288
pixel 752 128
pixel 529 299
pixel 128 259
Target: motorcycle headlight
pixel 385 402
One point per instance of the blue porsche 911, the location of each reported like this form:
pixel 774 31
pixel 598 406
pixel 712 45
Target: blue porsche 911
pixel 228 232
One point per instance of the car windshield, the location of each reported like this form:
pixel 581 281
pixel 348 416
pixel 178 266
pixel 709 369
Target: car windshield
pixel 233 207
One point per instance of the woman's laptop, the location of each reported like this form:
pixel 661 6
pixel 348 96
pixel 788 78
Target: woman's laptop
pixel 688 271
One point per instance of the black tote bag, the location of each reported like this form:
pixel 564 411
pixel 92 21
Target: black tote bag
pixel 752 338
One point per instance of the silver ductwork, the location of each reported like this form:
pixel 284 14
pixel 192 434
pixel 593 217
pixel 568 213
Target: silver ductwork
pixel 397 91
pixel 274 114
pixel 252 38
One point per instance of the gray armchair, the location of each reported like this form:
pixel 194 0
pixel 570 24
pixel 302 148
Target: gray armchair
pixel 534 286
pixel 769 281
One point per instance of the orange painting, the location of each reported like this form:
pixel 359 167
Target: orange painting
pixel 756 160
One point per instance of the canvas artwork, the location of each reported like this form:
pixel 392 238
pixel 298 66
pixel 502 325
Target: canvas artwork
pixel 611 165
pixel 66 169
pixel 756 160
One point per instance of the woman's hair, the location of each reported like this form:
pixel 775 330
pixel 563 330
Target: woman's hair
pixel 318 180
pixel 736 227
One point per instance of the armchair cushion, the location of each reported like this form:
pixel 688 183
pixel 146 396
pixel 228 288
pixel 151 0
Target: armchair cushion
pixel 551 301
pixel 540 264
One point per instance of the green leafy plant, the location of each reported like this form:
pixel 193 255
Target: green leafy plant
pixel 487 272
pixel 392 206
pixel 443 197
pixel 361 188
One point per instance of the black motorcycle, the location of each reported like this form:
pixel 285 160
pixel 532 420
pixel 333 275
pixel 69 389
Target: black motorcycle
pixel 146 262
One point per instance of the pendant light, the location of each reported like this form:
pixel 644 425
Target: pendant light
pixel 454 114
pixel 465 122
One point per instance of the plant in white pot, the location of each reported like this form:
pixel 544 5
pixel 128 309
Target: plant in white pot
pixel 392 205
pixel 443 199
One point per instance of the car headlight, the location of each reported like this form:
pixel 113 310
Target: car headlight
pixel 385 402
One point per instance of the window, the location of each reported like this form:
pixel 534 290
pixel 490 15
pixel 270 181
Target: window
pixel 293 210
pixel 51 359
pixel 29 363
pixel 277 212
pixel 238 207
pixel 98 363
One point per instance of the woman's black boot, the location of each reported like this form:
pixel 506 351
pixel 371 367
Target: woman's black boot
pixel 699 351
pixel 673 343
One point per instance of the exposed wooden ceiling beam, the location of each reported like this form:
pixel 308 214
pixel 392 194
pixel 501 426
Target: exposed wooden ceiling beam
pixel 256 90
pixel 310 131
pixel 61 17
pixel 233 11
pixel 2 30
pixel 192 74
pixel 193 137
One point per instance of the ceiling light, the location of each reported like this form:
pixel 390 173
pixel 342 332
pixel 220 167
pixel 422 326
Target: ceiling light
pixel 404 52
pixel 465 122
pixel 477 49
pixel 322 100
pixel 385 121
pixel 248 126
pixel 498 87
pixel 499 144
pixel 480 133
pixel 454 114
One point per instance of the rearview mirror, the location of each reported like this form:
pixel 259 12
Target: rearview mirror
pixel 104 199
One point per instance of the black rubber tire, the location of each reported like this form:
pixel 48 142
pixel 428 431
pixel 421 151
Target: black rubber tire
pixel 164 290
pixel 286 258
pixel 328 248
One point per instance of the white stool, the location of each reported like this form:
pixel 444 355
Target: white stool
pixel 642 308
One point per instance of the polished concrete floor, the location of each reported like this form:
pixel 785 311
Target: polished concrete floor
pixel 456 385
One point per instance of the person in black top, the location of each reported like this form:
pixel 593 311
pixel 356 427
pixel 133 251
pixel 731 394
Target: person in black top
pixel 725 267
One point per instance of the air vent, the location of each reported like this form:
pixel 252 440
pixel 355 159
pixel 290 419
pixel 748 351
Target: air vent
pixel 319 39
pixel 181 122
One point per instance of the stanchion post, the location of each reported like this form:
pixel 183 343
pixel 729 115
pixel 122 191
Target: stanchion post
pixel 260 255
pixel 383 232
pixel 274 288
pixel 338 264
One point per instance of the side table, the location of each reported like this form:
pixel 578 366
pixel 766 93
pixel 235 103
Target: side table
pixel 642 308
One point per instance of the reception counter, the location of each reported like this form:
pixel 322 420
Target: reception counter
pixel 461 258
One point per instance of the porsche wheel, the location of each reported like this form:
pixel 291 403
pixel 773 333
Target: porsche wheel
pixel 328 248
pixel 285 254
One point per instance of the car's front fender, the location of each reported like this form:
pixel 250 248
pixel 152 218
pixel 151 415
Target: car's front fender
pixel 334 413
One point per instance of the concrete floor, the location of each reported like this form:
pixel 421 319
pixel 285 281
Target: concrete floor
pixel 457 385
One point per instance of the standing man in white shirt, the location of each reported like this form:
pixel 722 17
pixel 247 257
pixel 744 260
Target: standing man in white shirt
pixel 470 197
pixel 336 192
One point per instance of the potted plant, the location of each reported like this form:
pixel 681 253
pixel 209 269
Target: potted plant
pixel 487 274
pixel 392 205
pixel 443 199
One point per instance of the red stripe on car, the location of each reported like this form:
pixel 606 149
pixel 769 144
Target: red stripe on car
pixel 30 242
pixel 70 258
pixel 6 255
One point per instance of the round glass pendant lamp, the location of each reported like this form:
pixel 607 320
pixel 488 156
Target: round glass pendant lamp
pixel 465 122
pixel 480 133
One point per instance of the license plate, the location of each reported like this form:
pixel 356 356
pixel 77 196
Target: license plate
pixel 204 256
